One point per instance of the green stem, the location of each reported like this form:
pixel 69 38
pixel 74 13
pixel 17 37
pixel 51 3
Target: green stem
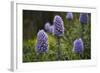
pixel 82 30
pixel 81 56
pixel 58 49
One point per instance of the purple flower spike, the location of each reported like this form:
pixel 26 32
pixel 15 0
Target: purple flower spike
pixel 58 26
pixel 69 16
pixel 83 18
pixel 78 46
pixel 51 29
pixel 47 25
pixel 42 42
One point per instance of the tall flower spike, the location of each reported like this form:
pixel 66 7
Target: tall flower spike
pixel 51 29
pixel 69 16
pixel 83 18
pixel 58 26
pixel 42 42
pixel 47 25
pixel 78 46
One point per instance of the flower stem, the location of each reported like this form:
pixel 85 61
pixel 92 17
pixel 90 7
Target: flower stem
pixel 58 48
pixel 82 31
pixel 81 56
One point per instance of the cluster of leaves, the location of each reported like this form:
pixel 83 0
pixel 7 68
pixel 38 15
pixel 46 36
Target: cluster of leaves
pixel 72 31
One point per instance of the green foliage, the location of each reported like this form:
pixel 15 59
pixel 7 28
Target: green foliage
pixel 72 31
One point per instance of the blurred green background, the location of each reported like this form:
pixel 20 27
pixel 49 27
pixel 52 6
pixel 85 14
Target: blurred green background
pixel 33 21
